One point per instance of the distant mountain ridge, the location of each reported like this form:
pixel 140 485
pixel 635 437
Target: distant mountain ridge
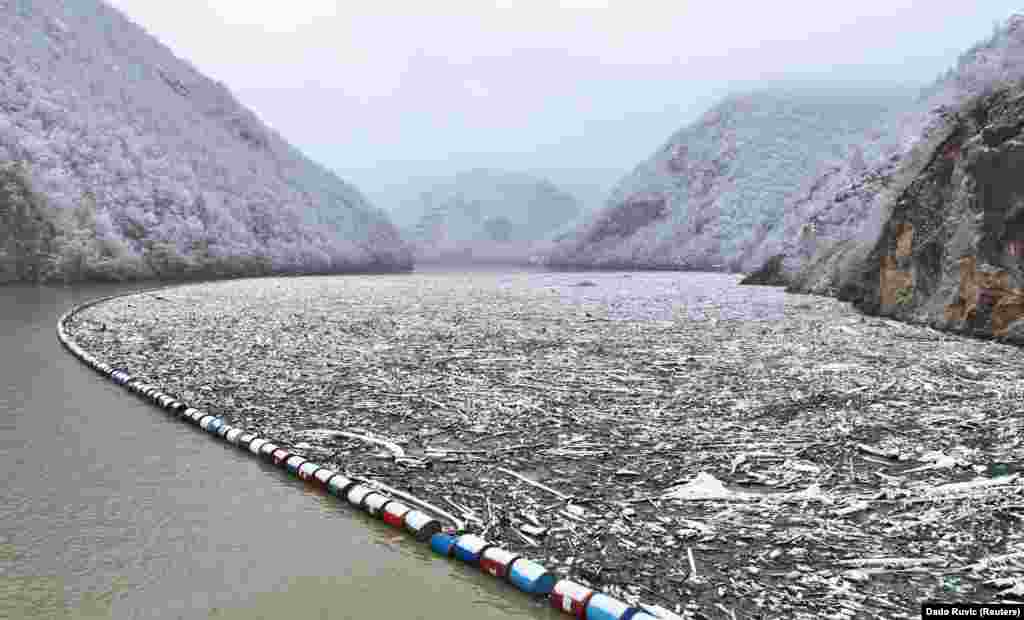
pixel 129 163
pixel 484 215
pixel 705 195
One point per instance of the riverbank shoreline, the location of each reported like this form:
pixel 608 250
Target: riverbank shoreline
pixel 713 463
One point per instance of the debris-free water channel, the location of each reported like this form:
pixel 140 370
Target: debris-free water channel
pixel 110 509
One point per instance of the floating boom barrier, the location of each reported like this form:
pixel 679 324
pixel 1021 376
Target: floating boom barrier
pixel 424 524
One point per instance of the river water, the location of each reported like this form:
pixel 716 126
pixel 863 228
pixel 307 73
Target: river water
pixel 110 509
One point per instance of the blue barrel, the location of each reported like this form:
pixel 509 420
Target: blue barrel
pixel 531 577
pixel 421 525
pixel 206 420
pixel 468 548
pixel 604 607
pixel 294 463
pixel 442 544
pixel 339 485
pixel 214 426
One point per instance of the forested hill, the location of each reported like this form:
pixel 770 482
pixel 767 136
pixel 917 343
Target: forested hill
pixel 703 198
pixel 119 160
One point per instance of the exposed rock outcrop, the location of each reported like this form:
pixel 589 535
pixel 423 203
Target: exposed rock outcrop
pixel 951 249
pixel 142 167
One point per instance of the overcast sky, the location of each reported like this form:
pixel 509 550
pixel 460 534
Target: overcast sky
pixel 381 90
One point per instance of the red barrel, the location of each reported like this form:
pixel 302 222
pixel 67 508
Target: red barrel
pixel 571 597
pixel 307 469
pixel 496 561
pixel 280 456
pixel 394 513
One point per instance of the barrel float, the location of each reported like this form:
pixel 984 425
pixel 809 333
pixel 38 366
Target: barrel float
pixel 339 485
pixel 280 455
pixel 187 413
pixel 442 544
pixel 206 420
pixel 294 463
pixel 307 469
pixel 268 449
pixel 232 435
pixel 256 444
pixel 215 425
pixel 198 416
pixel 640 615
pixel 324 475
pixel 496 561
pixel 571 597
pixel 394 514
pixel 246 438
pixel 375 502
pixel 468 548
pixel 224 430
pixel 531 577
pixel 174 405
pixel 356 494
pixel 604 607
pixel 421 525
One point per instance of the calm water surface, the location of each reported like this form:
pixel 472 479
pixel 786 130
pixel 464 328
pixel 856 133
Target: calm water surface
pixel 112 510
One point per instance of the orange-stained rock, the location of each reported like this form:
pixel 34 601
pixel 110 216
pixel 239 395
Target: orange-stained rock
pixel 904 239
pixel 892 281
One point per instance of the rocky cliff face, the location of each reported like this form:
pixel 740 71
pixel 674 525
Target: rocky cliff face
pixel 709 196
pixel 130 163
pixel 489 216
pixel 848 201
pixel 951 250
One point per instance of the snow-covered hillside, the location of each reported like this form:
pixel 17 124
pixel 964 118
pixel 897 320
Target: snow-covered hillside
pixel 120 160
pixel 715 186
pixel 489 216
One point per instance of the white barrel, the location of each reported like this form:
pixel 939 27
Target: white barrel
pixel 338 485
pixel 375 502
pixel 307 469
pixel 245 439
pixel 268 449
pixel 198 416
pixel 223 431
pixel 323 475
pixel 571 597
pixel 233 435
pixel 421 525
pixel 357 493
pixel 206 421
pixel 294 462
pixel 256 444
